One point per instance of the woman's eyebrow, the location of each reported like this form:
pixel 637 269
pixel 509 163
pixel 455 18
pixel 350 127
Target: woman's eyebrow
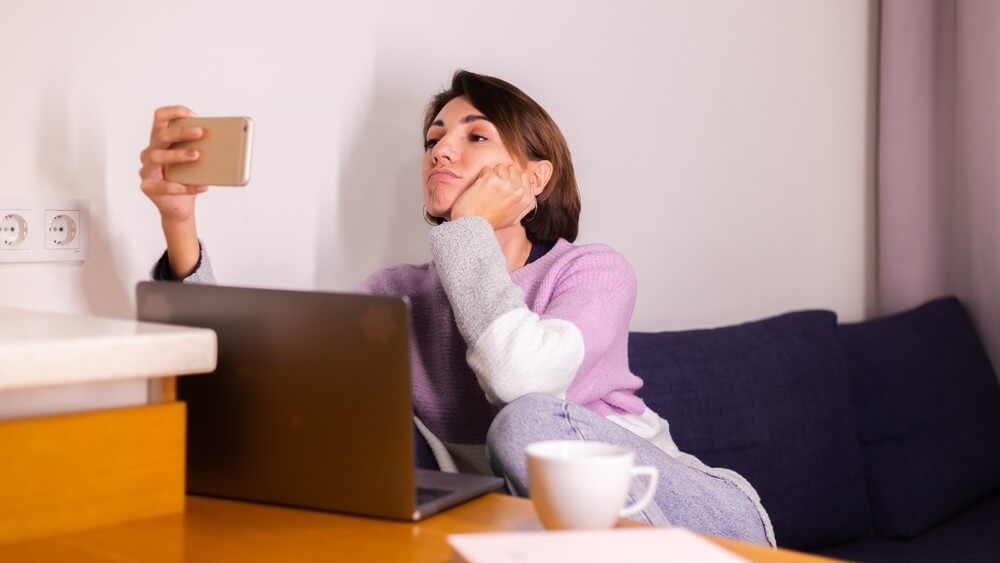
pixel 467 119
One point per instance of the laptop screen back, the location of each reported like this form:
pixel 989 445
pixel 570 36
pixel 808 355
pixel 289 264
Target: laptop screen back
pixel 310 403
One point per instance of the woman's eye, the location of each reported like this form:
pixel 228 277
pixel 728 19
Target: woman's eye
pixel 477 138
pixel 429 144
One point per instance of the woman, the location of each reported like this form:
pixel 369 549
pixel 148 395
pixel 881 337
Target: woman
pixel 518 334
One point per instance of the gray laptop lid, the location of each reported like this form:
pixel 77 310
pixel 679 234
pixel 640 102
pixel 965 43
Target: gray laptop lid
pixel 297 369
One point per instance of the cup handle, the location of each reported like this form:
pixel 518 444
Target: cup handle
pixel 654 476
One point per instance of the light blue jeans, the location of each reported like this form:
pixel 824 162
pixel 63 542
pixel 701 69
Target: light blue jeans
pixel 686 495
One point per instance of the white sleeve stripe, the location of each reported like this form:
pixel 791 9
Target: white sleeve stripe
pixel 441 455
pixel 519 353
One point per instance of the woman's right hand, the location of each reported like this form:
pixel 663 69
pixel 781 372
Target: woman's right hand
pixel 175 201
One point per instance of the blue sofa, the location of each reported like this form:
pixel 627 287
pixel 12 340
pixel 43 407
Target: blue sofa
pixel 874 441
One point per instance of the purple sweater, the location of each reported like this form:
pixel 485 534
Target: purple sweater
pixel 482 337
pixel 559 325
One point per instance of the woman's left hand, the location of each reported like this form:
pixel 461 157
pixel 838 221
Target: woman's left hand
pixel 502 195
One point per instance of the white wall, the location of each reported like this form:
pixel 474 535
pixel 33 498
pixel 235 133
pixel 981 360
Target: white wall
pixel 722 146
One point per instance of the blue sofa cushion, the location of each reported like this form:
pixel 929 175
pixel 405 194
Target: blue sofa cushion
pixel 771 400
pixel 928 412
pixel 969 537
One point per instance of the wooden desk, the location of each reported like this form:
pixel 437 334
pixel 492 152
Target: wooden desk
pixel 217 530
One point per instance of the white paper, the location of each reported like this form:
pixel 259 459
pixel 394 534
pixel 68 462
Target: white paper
pixel 632 545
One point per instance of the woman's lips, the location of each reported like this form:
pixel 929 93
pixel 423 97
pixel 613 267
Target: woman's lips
pixel 441 176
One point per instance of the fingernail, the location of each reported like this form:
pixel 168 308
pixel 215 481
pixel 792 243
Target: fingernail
pixel 196 130
pixel 191 153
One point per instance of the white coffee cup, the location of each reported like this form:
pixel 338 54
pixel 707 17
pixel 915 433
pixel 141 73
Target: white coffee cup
pixel 579 485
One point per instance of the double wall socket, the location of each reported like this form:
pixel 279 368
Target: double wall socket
pixel 43 230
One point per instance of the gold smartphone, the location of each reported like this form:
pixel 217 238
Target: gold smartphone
pixel 224 152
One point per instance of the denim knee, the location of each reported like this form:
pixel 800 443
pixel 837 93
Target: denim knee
pixel 516 425
pixel 513 417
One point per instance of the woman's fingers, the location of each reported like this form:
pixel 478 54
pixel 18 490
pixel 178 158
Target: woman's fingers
pixel 153 160
pixel 166 156
pixel 510 172
pixel 486 175
pixel 162 118
pixel 171 135
pixel 169 113
pixel 149 172
pixel 163 187
pixel 515 174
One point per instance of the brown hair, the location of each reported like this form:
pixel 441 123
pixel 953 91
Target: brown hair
pixel 529 133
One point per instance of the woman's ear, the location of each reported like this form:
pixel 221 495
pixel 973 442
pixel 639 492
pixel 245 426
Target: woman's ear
pixel 541 173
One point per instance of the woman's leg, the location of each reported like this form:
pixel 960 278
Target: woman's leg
pixel 685 496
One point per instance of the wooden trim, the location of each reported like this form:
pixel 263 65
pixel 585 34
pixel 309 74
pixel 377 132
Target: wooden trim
pixel 72 472
pixel 162 390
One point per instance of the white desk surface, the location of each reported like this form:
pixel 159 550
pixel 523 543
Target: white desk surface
pixel 39 349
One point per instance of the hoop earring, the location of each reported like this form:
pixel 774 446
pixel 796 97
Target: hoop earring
pixel 430 219
pixel 531 216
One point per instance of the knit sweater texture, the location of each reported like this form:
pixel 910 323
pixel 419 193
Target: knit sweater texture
pixel 482 337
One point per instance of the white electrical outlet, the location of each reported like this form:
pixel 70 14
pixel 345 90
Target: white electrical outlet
pixel 62 229
pixel 14 229
pixel 43 230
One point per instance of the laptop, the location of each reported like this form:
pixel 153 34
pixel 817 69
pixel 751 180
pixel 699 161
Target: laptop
pixel 309 405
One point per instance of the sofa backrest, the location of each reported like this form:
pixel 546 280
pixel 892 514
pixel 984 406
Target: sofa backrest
pixel 771 400
pixel 927 405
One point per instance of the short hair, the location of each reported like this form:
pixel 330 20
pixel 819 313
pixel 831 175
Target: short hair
pixel 529 133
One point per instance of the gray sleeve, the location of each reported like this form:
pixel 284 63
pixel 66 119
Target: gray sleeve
pixel 473 270
pixel 202 272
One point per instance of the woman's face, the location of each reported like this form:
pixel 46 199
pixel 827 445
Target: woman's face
pixel 459 143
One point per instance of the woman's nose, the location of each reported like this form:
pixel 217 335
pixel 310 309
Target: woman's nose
pixel 443 149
